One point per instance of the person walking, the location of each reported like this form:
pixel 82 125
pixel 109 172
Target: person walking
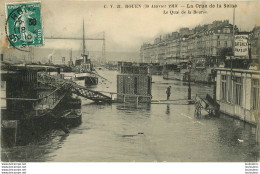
pixel 168 92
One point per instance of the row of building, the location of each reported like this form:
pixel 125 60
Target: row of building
pixel 210 42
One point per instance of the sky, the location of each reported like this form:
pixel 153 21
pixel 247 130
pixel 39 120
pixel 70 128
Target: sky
pixel 127 28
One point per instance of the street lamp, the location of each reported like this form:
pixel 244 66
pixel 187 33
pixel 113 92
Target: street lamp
pixel 189 78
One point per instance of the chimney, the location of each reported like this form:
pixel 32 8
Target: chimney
pixel 63 60
pixel 86 58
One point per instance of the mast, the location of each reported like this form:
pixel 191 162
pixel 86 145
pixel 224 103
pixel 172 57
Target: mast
pixel 71 55
pixel 84 44
pixel 104 49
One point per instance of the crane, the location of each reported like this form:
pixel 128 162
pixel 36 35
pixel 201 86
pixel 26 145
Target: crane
pixel 103 38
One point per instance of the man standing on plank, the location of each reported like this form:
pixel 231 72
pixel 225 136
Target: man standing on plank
pixel 168 92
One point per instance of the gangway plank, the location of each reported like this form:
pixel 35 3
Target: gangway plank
pixel 173 102
pixel 82 91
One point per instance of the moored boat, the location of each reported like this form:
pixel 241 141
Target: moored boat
pixel 71 118
pixel 84 70
pixel 85 73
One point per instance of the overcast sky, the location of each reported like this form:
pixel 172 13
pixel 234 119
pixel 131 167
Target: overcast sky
pixel 127 29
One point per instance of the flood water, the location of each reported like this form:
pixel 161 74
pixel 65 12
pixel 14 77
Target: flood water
pixel 155 132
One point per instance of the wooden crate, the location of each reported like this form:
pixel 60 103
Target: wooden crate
pixel 137 86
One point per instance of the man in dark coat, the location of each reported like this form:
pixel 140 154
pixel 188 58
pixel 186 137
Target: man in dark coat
pixel 168 92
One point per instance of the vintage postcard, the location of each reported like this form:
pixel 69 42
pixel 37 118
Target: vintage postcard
pixel 124 81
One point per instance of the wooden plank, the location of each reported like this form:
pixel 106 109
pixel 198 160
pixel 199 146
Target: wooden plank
pixel 177 101
pixel 21 99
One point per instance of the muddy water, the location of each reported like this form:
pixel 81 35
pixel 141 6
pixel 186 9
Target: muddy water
pixel 156 132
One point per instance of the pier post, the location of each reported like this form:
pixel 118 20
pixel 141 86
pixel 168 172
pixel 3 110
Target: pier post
pixel 189 92
pixel 257 135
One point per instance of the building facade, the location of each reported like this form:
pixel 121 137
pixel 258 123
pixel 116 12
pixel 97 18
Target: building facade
pixel 238 93
pixel 255 44
pixel 205 42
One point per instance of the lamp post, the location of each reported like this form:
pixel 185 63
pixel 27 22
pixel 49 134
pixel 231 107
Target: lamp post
pixel 189 78
pixel 233 45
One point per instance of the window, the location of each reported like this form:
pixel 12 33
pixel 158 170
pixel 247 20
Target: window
pixel 124 86
pixel 223 87
pixel 226 30
pixel 255 94
pixel 238 90
pixel 225 43
pixel 218 44
pixel 229 89
pixel 135 85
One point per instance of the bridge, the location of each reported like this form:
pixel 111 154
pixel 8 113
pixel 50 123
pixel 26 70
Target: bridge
pixel 68 85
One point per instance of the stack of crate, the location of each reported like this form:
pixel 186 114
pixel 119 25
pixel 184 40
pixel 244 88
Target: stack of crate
pixel 134 84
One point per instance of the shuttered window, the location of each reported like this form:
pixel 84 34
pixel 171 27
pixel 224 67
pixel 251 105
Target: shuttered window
pixel 238 92
pixel 255 94
pixel 223 87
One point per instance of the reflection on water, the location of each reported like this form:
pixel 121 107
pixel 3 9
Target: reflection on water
pixel 168 109
pixel 145 132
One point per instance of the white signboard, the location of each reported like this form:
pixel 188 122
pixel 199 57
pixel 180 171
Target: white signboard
pixel 241 45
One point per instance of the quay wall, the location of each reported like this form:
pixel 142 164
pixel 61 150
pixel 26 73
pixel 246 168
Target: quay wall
pixel 202 75
pixel 237 112
pixel 174 75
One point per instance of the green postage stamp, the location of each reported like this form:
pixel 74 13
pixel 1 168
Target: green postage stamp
pixel 24 24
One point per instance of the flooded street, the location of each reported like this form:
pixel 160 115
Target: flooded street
pixel 155 132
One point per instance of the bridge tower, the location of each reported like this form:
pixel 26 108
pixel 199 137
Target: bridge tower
pixel 31 55
pixel 104 49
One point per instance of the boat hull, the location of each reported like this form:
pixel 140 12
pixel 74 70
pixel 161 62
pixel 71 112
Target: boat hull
pixel 86 80
pixel 90 81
